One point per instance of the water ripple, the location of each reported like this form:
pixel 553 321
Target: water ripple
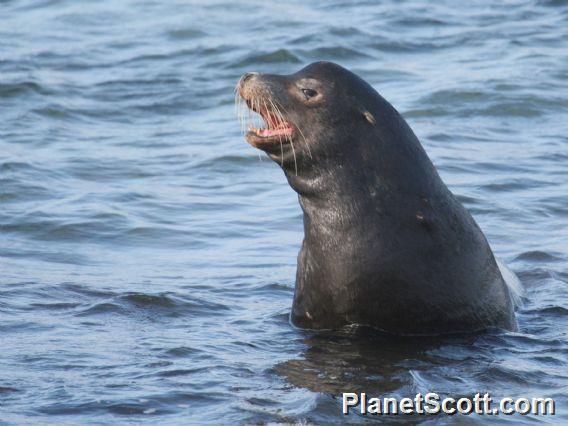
pixel 148 253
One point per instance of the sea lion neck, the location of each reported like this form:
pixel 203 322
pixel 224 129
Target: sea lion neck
pixel 366 173
pixel 331 202
pixel 366 186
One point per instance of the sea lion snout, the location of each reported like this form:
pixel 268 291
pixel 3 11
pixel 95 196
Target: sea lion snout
pixel 246 77
pixel 244 83
pixel 255 85
pixel 262 94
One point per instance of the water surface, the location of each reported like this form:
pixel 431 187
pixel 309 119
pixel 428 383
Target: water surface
pixel 148 254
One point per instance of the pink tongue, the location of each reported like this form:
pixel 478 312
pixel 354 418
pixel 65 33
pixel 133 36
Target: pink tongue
pixel 276 132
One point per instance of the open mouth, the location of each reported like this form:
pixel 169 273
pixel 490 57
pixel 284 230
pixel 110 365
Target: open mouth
pixel 276 128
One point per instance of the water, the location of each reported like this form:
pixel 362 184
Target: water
pixel 147 255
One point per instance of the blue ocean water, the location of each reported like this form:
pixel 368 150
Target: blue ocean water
pixel 147 253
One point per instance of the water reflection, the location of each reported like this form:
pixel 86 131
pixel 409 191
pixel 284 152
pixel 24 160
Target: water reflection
pixel 364 360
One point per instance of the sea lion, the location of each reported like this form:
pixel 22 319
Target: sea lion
pixel 386 243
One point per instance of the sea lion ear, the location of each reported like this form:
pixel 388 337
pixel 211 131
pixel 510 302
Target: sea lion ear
pixel 369 117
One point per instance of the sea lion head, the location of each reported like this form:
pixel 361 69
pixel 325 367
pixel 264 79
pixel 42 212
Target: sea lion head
pixel 332 133
pixel 313 119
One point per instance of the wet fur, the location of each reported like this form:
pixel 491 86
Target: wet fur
pixel 386 243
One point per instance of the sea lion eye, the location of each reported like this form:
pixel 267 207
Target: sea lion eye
pixel 309 93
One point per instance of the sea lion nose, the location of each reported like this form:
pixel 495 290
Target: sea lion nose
pixel 246 76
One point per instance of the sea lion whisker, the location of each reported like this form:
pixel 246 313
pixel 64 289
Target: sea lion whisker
pixel 239 100
pixel 279 136
pixel 242 116
pixel 297 127
pixel 243 113
pixel 251 114
pixel 305 141
pixel 294 155
pixel 278 113
pixel 257 116
pixel 238 105
pixel 289 137
pixel 248 118
pixel 270 120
